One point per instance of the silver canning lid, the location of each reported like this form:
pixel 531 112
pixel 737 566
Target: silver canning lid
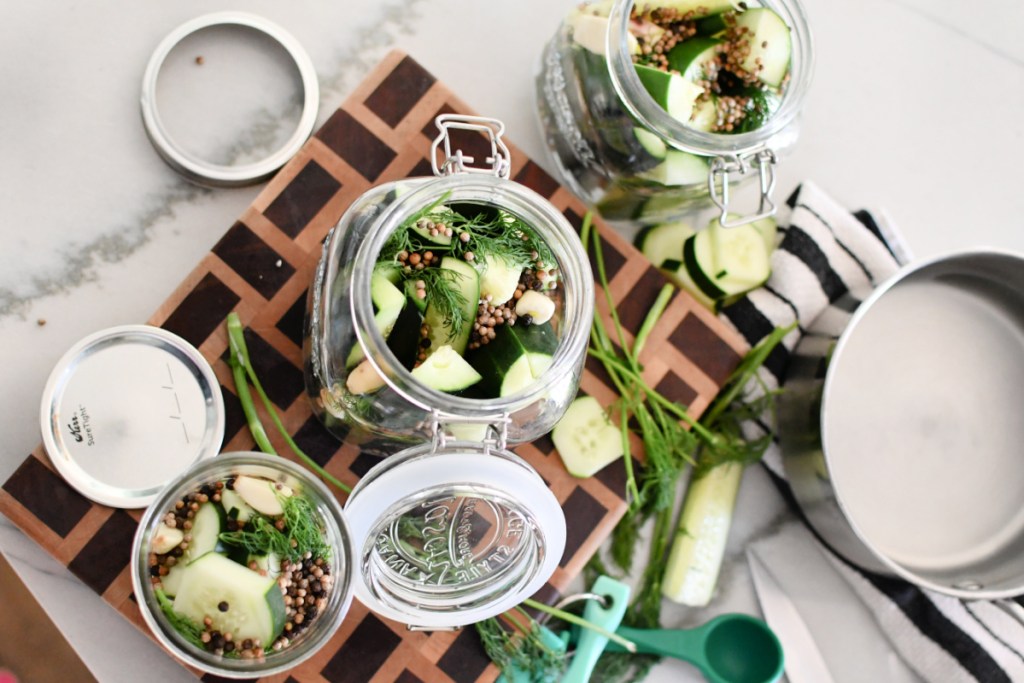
pixel 449 537
pixel 217 175
pixel 128 409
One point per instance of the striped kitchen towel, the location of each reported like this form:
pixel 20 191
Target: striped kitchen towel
pixel 824 253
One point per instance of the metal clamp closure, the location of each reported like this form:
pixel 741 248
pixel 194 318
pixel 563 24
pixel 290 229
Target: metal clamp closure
pixel 495 429
pixel 720 169
pixel 500 161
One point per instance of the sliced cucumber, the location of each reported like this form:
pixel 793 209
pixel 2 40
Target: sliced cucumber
pixel 677 274
pixel 524 372
pixel 424 232
pixel 172 581
pixel 270 563
pixel 446 370
pixel 499 279
pixel 725 262
pixel 585 439
pixel 675 94
pixel 693 58
pixel 694 9
pixel 651 143
pixel 410 292
pixel 391 271
pixel 769 229
pixel 207 526
pixel 443 332
pixel 770 45
pixel 705 114
pixel 679 168
pixel 504 356
pixel 714 24
pixel 660 243
pixel 235 507
pixel 262 495
pixel 389 301
pixel 236 599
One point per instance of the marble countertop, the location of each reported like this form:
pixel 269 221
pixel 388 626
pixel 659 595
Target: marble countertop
pixel 915 108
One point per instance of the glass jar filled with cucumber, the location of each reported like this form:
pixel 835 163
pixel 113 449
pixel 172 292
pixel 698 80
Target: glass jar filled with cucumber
pixel 655 108
pixel 448 319
pixel 457 305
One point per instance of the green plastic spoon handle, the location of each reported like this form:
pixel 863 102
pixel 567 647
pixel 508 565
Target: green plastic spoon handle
pixel 591 643
pixel 685 644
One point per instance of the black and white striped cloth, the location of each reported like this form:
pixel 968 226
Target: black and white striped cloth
pixel 825 252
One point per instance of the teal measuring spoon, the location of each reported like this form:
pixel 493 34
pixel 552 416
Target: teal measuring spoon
pixel 731 648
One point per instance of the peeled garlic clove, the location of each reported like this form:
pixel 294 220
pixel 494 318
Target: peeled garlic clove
pixel 166 539
pixel 534 304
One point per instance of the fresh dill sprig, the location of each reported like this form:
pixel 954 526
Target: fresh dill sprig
pixel 189 630
pixel 521 648
pixel 444 296
pixel 261 537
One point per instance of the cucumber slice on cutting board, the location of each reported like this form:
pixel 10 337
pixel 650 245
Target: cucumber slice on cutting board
pixel 585 438
pixel 692 58
pixel 443 332
pixel 694 8
pixel 446 370
pixel 254 605
pixel 660 243
pixel 677 274
pixel 724 262
pixel 679 168
pixel 675 94
pixel 770 45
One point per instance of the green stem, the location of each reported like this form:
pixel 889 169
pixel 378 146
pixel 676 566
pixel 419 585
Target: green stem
pixel 579 621
pixel 653 315
pixel 632 491
pixel 237 341
pixel 259 434
pixel 745 370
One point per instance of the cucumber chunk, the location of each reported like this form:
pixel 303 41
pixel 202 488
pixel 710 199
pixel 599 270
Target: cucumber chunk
pixel 446 370
pixel 254 605
pixel 590 32
pixel 651 143
pixel 705 114
pixel 270 563
pixel 207 526
pixel 524 372
pixel 499 279
pixel 770 45
pixel 389 301
pixel 443 332
pixel 675 94
pixel 585 439
pixel 504 355
pixel 172 581
pixel 679 168
pixel 235 507
pixel 693 58
pixel 660 243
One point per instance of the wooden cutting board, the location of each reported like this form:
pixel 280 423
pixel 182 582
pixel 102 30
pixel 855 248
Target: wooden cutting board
pixel 262 268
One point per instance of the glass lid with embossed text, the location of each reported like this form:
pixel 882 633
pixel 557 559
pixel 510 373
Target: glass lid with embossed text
pixel 450 533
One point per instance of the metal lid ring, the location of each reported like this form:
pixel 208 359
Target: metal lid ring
pixel 217 175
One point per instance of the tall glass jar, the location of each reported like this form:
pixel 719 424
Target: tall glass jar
pixel 340 319
pixel 601 124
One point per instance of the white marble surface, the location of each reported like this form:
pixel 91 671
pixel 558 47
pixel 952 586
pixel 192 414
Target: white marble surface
pixel 915 108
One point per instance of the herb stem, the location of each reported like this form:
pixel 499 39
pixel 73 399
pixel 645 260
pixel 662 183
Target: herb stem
pixel 259 434
pixel 579 621
pixel 240 353
pixel 653 315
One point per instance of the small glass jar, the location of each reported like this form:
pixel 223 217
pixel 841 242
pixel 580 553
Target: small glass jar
pixel 337 536
pixel 591 105
pixel 340 318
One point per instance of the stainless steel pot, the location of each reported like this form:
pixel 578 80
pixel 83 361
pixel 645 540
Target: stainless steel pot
pixel 902 430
